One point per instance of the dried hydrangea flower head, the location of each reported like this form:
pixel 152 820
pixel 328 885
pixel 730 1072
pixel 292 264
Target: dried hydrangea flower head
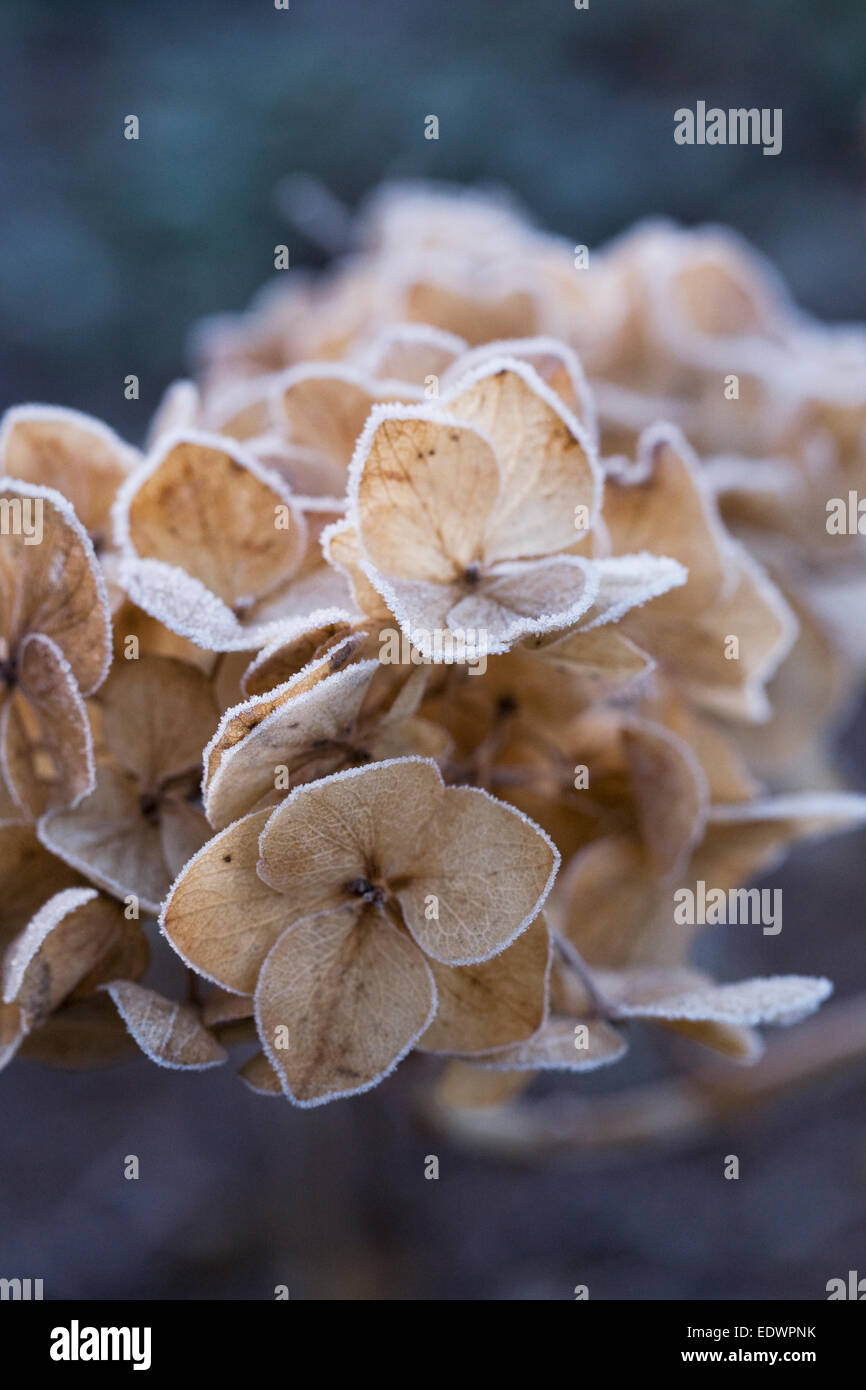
pixel 411 605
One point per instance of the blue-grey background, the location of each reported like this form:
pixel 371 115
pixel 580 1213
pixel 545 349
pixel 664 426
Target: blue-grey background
pixel 109 252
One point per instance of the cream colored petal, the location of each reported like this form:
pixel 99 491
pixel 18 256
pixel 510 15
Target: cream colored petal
pixel 699 653
pixel 627 582
pixel 260 1076
pixel 412 352
pixel 662 505
pixel 220 917
pixel 54 586
pixel 476 318
pixel 79 456
pixel 157 713
pixel 282 660
pixel 516 600
pixel 185 606
pixel 179 408
pixel 110 840
pixel 169 1033
pixel 206 507
pixel 562 1044
pixel 354 994
pixel 239 720
pixel 29 875
pixel 361 823
pixel 47 743
pixel 553 361
pixel 497 1004
pixel 61 945
pixel 670 792
pixel 183 831
pixel 611 904
pixel 421 490
pixel 779 999
pixel 323 407
pixel 322 717
pixel 744 840
pixel 548 462
pixel 342 549
pixel 485 868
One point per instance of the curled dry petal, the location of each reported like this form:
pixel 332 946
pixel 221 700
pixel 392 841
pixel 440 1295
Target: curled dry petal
pixel 169 1033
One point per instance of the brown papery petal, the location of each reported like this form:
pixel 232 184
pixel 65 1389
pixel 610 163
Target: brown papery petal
pixel 170 1034
pixel 486 868
pixel 776 999
pixel 110 841
pixel 11 1033
pixel 423 490
pixel 746 840
pixel 61 945
pixel 322 716
pixel 47 745
pixel 29 875
pixel 354 995
pixel 412 352
pixel 54 587
pixel 553 361
pixel 157 713
pixel 612 904
pixel 662 505
pixel 220 917
pixel 478 319
pixel 342 548
pixel 695 651
pixel 495 1004
pixel 260 1076
pixel 204 507
pixel 555 1048
pixel 79 456
pixel 547 462
pixel 670 791
pixel 222 1007
pixel 362 823
pixel 323 407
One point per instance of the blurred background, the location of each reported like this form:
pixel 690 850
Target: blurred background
pixel 110 251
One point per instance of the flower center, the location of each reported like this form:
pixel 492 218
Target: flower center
pixel 149 806
pixel 367 891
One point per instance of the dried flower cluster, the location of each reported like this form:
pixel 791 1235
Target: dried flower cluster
pixel 416 669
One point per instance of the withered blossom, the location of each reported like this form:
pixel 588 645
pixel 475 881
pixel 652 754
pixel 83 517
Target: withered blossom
pixel 450 566
pixel 346 910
